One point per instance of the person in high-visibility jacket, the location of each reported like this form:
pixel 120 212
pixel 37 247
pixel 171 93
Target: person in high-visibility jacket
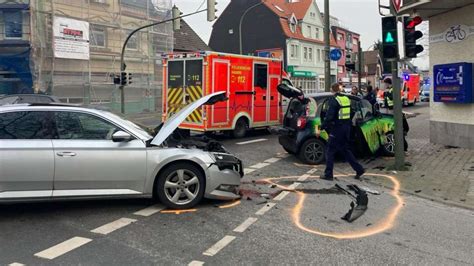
pixel 388 95
pixel 338 123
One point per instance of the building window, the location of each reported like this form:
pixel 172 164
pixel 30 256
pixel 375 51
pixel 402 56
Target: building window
pixel 310 34
pixel 305 53
pixel 133 42
pixel 340 37
pixel 293 23
pixel 355 41
pixel 13 22
pixel 97 36
pixel 318 54
pixel 340 69
pixel 294 51
pixel 317 33
pixel 310 54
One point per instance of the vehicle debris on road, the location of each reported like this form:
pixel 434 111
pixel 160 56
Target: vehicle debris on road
pixel 359 207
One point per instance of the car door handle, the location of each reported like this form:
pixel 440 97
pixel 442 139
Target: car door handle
pixel 66 154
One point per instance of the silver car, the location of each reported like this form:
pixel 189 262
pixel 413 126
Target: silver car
pixel 50 152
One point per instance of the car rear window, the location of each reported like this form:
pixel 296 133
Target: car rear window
pixel 25 125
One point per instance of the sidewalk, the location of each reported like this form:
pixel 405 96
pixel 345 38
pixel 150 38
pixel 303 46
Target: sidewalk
pixel 439 173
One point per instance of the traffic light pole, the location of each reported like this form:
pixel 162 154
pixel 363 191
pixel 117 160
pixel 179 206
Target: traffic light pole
pixel 327 48
pixel 398 116
pixel 122 55
pixel 359 73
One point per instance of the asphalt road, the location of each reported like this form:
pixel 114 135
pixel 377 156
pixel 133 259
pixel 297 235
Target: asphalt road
pixel 301 226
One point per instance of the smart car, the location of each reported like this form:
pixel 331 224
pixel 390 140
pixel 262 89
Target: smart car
pixel 54 151
pixel 372 132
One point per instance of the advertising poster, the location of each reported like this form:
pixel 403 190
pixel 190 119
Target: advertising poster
pixel 71 38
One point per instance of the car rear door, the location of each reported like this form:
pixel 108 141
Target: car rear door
pixel 26 155
pixel 88 162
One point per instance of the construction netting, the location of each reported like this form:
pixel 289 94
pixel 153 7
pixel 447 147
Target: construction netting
pixel 76 48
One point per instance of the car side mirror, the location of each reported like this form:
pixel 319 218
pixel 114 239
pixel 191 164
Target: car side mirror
pixel 121 136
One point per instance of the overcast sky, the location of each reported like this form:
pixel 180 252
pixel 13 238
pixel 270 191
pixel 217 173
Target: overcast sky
pixel 360 16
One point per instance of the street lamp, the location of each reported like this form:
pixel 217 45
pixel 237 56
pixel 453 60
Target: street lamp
pixel 242 19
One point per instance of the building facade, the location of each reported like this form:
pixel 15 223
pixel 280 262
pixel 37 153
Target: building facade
pixel 293 27
pixel 451 32
pixel 71 49
pixel 348 42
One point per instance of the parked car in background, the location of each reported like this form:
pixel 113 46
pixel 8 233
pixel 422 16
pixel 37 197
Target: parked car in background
pixel 52 152
pixel 372 131
pixel 425 93
pixel 27 98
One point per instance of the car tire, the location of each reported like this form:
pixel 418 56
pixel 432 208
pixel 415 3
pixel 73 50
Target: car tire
pixel 313 151
pixel 288 151
pixel 185 179
pixel 241 128
pixel 388 147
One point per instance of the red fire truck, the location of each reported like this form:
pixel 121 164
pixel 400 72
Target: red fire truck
pixel 250 82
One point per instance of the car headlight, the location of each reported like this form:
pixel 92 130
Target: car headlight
pixel 227 161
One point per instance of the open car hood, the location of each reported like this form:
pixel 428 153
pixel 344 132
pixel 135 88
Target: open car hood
pixel 289 91
pixel 173 122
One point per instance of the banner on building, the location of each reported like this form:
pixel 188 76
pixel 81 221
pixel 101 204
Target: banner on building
pixel 271 53
pixel 453 34
pixel 71 38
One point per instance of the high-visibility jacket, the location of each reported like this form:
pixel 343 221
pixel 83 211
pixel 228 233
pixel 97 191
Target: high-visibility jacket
pixel 389 98
pixel 345 107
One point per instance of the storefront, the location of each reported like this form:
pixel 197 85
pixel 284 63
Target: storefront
pixel 451 33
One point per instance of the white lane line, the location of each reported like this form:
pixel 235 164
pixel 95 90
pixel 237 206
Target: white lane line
pixel 312 171
pixel 259 165
pixel 272 160
pixel 115 225
pixel 281 196
pixel 196 263
pixel 16 264
pixel 63 248
pixel 251 141
pixel 303 177
pixel 150 210
pixel 219 246
pixel 294 185
pixel 249 170
pixel 246 224
pixel 265 208
pixel 283 155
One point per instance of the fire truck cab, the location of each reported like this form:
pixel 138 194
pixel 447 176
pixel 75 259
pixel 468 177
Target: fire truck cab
pixel 249 82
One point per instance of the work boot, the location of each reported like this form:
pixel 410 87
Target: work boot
pixel 328 178
pixel 359 175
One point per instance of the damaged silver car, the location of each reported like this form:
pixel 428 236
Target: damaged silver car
pixel 53 151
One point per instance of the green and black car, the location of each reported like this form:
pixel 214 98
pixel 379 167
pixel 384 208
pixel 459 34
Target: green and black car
pixel 373 132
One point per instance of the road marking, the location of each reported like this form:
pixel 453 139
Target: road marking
pixel 219 246
pixel 259 165
pixel 150 210
pixel 272 160
pixel 249 170
pixel 312 171
pixel 251 141
pixel 294 185
pixel 16 264
pixel 63 248
pixel 282 195
pixel 196 263
pixel 246 224
pixel 303 177
pixel 265 208
pixel 283 155
pixel 115 225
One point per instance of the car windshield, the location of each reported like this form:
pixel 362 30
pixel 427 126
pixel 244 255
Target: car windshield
pixel 143 129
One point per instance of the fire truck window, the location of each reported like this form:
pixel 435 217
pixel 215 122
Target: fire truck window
pixel 261 76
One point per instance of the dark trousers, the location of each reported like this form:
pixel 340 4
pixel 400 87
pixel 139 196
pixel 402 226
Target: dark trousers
pixel 339 142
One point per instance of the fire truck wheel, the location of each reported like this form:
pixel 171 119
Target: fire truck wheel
pixel 240 129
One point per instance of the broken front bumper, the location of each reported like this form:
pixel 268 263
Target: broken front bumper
pixel 223 177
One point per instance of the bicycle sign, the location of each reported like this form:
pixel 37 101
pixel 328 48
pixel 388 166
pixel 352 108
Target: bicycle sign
pixel 456 34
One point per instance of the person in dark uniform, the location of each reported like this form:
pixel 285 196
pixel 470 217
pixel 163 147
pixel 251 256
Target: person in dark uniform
pixel 338 125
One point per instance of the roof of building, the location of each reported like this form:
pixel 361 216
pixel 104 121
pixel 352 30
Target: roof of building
pixel 284 9
pixel 186 39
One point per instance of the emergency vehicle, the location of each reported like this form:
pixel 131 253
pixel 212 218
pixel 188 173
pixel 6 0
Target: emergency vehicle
pixel 411 89
pixel 250 83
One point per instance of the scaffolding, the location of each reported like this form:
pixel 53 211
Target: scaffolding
pixel 89 80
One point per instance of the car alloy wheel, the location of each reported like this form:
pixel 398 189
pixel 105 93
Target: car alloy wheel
pixel 180 186
pixel 313 151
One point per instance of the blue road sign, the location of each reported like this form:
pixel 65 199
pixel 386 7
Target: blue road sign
pixel 335 54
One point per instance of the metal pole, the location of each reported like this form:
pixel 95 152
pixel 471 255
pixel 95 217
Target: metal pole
pixel 327 48
pixel 359 61
pixel 123 66
pixel 398 116
pixel 240 24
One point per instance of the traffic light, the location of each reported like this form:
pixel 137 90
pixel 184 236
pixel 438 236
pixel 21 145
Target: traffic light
pixel 129 79
pixel 123 78
pixel 211 10
pixel 176 18
pixel 411 35
pixel 351 66
pixel 389 38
